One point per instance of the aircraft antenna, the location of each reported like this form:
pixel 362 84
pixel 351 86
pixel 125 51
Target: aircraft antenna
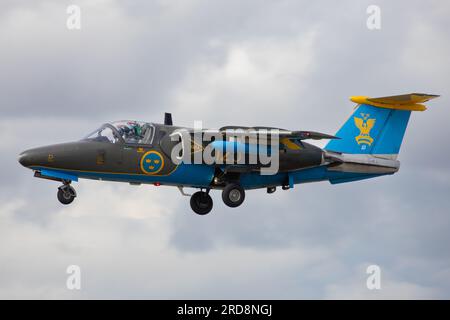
pixel 168 119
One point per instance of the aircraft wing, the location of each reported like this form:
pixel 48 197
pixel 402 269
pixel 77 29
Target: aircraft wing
pixel 283 133
pixel 303 135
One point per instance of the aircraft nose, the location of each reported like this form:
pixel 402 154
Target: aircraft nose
pixel 32 157
pixel 25 158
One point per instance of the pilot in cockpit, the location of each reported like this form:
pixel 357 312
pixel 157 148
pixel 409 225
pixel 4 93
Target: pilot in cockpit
pixel 131 132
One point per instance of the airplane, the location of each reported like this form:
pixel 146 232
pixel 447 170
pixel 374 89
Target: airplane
pixel 366 146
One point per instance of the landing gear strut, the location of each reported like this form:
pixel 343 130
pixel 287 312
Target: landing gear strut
pixel 201 202
pixel 66 193
pixel 233 195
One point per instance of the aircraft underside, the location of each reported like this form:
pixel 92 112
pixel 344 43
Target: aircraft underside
pixel 205 178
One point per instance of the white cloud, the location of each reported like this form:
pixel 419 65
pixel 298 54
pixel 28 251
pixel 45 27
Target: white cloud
pixel 125 244
pixel 281 63
pixel 354 287
pixel 254 77
pixel 426 51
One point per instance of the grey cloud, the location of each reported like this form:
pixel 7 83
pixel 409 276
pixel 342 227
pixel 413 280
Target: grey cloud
pixel 140 58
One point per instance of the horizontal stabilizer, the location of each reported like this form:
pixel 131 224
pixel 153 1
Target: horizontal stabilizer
pixel 411 102
pixel 405 98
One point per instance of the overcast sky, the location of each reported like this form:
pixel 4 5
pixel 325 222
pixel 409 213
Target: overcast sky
pixel 290 64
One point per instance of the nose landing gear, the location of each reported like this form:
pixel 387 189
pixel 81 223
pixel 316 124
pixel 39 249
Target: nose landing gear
pixel 66 193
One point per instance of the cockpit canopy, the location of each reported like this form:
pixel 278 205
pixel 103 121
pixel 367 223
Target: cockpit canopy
pixel 124 131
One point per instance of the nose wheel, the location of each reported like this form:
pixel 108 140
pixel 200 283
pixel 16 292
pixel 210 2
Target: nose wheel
pixel 66 194
pixel 201 202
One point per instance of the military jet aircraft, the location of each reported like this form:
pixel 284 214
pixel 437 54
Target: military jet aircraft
pixel 366 146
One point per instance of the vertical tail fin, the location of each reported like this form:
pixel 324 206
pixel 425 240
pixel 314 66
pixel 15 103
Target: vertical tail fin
pixel 377 125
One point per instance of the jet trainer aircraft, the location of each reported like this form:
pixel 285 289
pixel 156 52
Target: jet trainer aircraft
pixel 366 146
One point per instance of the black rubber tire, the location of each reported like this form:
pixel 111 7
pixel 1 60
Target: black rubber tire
pixel 233 195
pixel 201 203
pixel 65 197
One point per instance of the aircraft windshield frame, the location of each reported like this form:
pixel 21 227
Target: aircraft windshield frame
pixel 125 132
pixel 105 133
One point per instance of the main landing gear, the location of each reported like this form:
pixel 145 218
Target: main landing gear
pixel 66 193
pixel 201 202
pixel 233 195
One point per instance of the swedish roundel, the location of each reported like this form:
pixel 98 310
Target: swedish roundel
pixel 152 162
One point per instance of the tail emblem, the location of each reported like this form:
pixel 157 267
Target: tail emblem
pixel 364 125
